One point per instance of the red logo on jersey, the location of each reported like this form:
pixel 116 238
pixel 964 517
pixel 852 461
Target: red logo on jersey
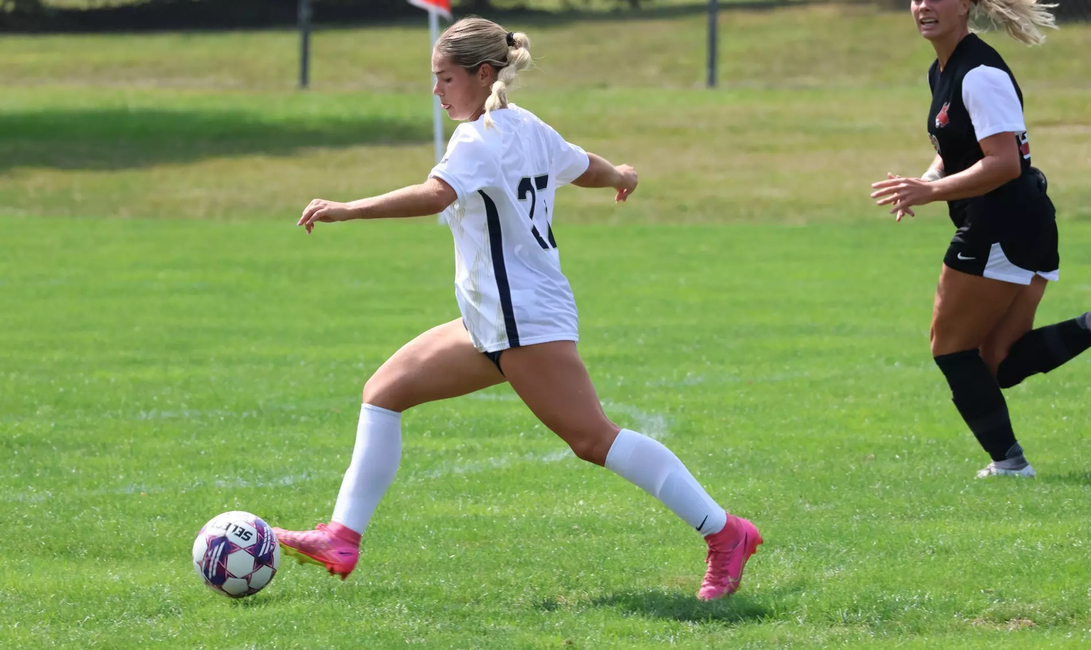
pixel 1024 146
pixel 941 118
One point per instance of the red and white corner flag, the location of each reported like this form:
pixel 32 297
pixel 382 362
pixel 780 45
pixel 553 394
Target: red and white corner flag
pixel 442 7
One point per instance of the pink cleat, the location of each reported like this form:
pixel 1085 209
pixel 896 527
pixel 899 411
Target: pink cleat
pixel 728 551
pixel 331 545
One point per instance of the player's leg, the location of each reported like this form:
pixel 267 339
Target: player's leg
pixel 1046 348
pixel 1013 325
pixel 553 382
pixel 967 309
pixel 1016 351
pixel 439 364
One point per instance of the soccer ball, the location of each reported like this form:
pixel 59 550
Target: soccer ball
pixel 236 554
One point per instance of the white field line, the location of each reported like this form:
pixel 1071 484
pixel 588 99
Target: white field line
pixel 36 496
pixel 651 424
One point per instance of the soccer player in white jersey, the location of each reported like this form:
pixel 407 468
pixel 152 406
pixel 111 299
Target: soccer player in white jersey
pixel 1005 245
pixel 495 186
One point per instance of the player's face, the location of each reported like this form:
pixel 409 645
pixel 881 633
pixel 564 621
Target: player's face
pixel 460 93
pixel 937 19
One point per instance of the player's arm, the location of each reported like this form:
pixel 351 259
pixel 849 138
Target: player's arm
pixel 996 113
pixel 1000 165
pixel 430 197
pixel 601 173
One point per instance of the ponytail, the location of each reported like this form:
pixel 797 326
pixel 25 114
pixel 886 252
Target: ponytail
pixel 518 59
pixel 1023 19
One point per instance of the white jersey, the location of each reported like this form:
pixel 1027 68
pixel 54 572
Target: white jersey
pixel 508 278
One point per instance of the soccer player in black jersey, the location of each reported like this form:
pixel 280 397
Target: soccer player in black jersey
pixel 1005 247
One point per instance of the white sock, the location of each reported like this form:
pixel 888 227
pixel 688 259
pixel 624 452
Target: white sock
pixel 654 468
pixel 374 463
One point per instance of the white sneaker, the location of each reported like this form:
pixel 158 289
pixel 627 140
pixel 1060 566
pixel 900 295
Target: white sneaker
pixel 995 469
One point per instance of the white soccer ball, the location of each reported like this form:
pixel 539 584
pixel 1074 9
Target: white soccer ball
pixel 236 554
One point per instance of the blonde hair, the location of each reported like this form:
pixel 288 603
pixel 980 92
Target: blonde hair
pixel 472 42
pixel 1023 19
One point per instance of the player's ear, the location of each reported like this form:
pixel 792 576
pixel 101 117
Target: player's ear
pixel 486 74
pixel 964 7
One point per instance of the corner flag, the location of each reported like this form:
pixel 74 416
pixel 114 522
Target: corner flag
pixel 434 9
pixel 442 7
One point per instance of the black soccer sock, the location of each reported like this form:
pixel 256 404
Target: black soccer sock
pixel 1045 349
pixel 979 401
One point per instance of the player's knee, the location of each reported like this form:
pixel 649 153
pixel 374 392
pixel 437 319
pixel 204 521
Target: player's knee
pixel 942 346
pixel 593 445
pixel 590 449
pixel 948 340
pixel 937 345
pixel 382 391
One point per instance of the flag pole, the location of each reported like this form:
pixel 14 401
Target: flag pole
pixel 304 42
pixel 437 111
pixel 713 39
pixel 434 8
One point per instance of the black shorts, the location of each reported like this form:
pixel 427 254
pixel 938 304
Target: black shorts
pixel 495 358
pixel 1009 236
pixel 492 356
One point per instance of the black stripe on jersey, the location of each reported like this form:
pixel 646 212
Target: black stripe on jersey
pixel 542 182
pixel 496 247
pixel 541 242
pixel 552 240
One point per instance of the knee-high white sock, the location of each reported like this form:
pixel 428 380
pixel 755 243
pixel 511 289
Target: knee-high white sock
pixel 647 463
pixel 374 463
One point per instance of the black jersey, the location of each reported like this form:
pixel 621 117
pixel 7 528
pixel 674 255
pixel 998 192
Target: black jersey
pixel 972 99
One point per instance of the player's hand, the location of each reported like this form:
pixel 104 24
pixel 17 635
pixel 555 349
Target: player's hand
pixel 324 211
pixel 902 193
pixel 626 184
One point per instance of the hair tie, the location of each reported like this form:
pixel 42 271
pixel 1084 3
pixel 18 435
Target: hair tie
pixel 511 39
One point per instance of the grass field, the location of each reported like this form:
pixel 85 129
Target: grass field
pixel 172 347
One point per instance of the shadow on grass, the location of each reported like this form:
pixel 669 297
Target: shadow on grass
pixel 685 607
pixel 117 138
pixel 259 600
pixel 1072 478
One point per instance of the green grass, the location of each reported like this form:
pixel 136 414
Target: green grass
pixel 159 372
pixel 748 305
